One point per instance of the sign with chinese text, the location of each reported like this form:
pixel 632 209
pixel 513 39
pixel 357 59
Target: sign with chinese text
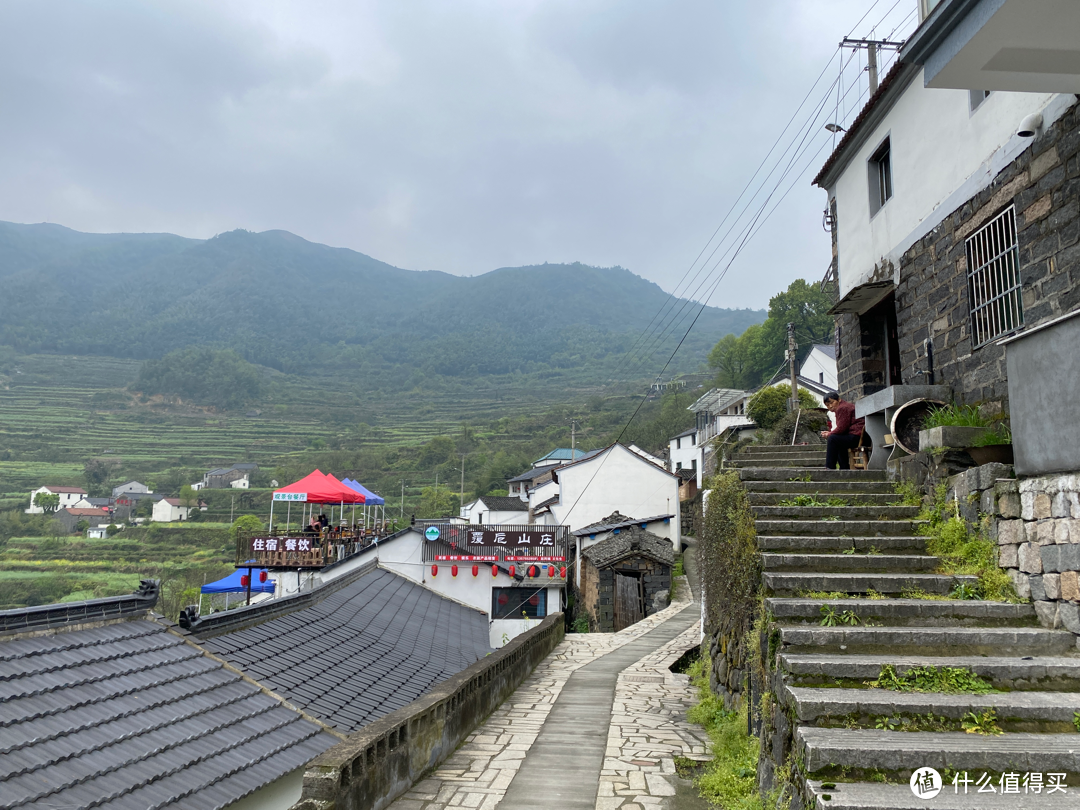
pixel 291 496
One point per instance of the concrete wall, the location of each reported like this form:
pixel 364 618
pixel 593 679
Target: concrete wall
pixel 939 149
pixel 932 290
pixel 382 761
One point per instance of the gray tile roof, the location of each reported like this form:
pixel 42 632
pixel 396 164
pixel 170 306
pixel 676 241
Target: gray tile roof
pixel 616 521
pixel 504 504
pixel 365 650
pixel 532 474
pixel 128 715
pixel 630 542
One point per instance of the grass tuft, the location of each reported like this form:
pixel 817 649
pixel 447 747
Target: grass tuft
pixel 950 680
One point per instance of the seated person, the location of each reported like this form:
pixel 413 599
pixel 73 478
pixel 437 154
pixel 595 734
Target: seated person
pixel 845 436
pixel 313 527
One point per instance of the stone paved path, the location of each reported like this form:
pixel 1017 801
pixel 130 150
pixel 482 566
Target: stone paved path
pixel 600 715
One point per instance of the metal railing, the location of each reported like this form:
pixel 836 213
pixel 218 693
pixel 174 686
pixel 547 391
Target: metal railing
pixel 294 550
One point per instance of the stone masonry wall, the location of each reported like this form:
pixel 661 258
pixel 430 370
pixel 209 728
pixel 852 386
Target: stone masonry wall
pixel 1038 534
pixel 932 290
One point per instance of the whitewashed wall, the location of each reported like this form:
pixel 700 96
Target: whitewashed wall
pixel 942 153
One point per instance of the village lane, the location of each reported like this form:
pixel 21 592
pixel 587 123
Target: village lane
pixel 597 725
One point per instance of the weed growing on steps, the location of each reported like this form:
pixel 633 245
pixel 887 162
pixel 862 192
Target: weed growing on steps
pixel 678 570
pixel 950 680
pixel 984 722
pixel 813 500
pixel 831 618
pixel 730 779
pixel 918 722
pixel 824 595
pixel 964 549
pixel 908 494
pixel 1076 720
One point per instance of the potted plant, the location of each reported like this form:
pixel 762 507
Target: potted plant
pixel 995 445
pixel 963 427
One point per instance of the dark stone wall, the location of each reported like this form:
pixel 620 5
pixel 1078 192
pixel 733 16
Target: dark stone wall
pixel 932 294
pixel 656 577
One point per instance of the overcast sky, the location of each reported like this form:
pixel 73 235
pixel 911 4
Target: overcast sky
pixel 461 135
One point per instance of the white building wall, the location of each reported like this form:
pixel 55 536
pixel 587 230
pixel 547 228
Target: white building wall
pixel 616 480
pixel 165 512
pixel 684 454
pixel 67 500
pixel 942 153
pixel 820 368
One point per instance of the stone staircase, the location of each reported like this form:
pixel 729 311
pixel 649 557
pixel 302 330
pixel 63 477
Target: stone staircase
pixel 861 563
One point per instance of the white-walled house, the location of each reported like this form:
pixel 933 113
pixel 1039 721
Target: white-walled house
pixel 684 453
pixel 714 412
pixel 496 510
pixel 131 487
pixel 170 510
pixel 820 366
pixel 69 497
pixel 616 479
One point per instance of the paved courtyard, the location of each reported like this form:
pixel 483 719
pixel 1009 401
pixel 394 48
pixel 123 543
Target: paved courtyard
pixel 597 725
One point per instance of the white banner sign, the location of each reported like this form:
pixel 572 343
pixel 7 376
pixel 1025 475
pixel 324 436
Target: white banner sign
pixel 290 496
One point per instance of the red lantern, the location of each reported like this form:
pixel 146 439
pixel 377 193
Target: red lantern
pixel 562 572
pixel 503 598
pixel 534 600
pixel 262 576
pixel 551 570
pixel 494 570
pixel 513 571
pixel 475 570
pixel 532 570
pixel 453 570
pixel 434 570
pixel 245 580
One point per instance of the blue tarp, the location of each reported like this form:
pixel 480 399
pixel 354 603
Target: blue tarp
pixel 370 498
pixel 231 583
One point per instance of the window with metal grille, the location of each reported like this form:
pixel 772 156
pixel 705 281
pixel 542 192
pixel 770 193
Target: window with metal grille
pixel 994 279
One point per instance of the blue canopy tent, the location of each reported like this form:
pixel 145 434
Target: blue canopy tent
pixel 231 584
pixel 370 498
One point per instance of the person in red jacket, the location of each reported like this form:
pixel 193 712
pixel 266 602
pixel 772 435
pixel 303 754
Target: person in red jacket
pixel 845 436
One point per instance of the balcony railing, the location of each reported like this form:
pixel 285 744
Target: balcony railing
pixel 298 549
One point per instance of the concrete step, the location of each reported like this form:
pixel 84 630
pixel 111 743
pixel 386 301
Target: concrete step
pixel 808 461
pixel 765 459
pixel 812 704
pixel 852 498
pixel 863 563
pixel 769 449
pixel 794 583
pixel 902 752
pixel 926 640
pixel 842 488
pixel 921 612
pixel 876 796
pixel 826 543
pixel 852 528
pixel 810 475
pixel 875 513
pixel 1057 673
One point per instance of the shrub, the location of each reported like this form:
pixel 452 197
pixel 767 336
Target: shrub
pixel 769 405
pixel 809 425
pixel 244 524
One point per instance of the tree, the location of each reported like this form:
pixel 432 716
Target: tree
pixel 245 524
pixel 437 502
pixel 188 496
pixel 111 529
pixel 768 406
pixel 81 527
pixel 48 502
pixel 96 473
pixel 220 378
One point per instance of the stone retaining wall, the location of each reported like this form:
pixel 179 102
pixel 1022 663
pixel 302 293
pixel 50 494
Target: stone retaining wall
pixel 382 761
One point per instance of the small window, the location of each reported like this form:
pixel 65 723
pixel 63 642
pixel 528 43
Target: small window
pixel 693 464
pixel 511 603
pixel 977 97
pixel 678 466
pixel 994 279
pixel 880 176
pixel 678 444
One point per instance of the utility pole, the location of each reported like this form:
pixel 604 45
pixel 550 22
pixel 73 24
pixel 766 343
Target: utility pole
pixel 403 499
pixel 791 347
pixel 232 506
pixel 573 439
pixel 872 46
pixel 461 494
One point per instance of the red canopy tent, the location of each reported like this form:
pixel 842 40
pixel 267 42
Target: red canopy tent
pixel 315 487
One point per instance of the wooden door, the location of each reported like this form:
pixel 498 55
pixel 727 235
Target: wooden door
pixel 628 602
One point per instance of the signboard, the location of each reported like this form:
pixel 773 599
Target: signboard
pixel 291 496
pixel 533 558
pixel 491 537
pixel 466 558
pixel 431 534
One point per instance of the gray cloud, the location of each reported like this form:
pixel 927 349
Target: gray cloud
pixel 454 136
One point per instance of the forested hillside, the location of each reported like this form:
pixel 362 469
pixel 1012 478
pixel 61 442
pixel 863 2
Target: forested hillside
pixel 299 307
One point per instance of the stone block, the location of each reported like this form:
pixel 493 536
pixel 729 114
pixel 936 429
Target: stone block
pixel 1031 532
pixel 1070 586
pixel 989 474
pixel 1042 506
pixel 1059 505
pixel 1008 556
pixel 1048 615
pixel 1011 532
pixel 1061 531
pixel 1030 559
pixel 1038 593
pixel 1027 505
pixel 1069 616
pixel 1074 530
pixel 1052 585
pixel 1044 532
pixel 1058 559
pixel 1020 583
pixel 951 436
pixel 1008 504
